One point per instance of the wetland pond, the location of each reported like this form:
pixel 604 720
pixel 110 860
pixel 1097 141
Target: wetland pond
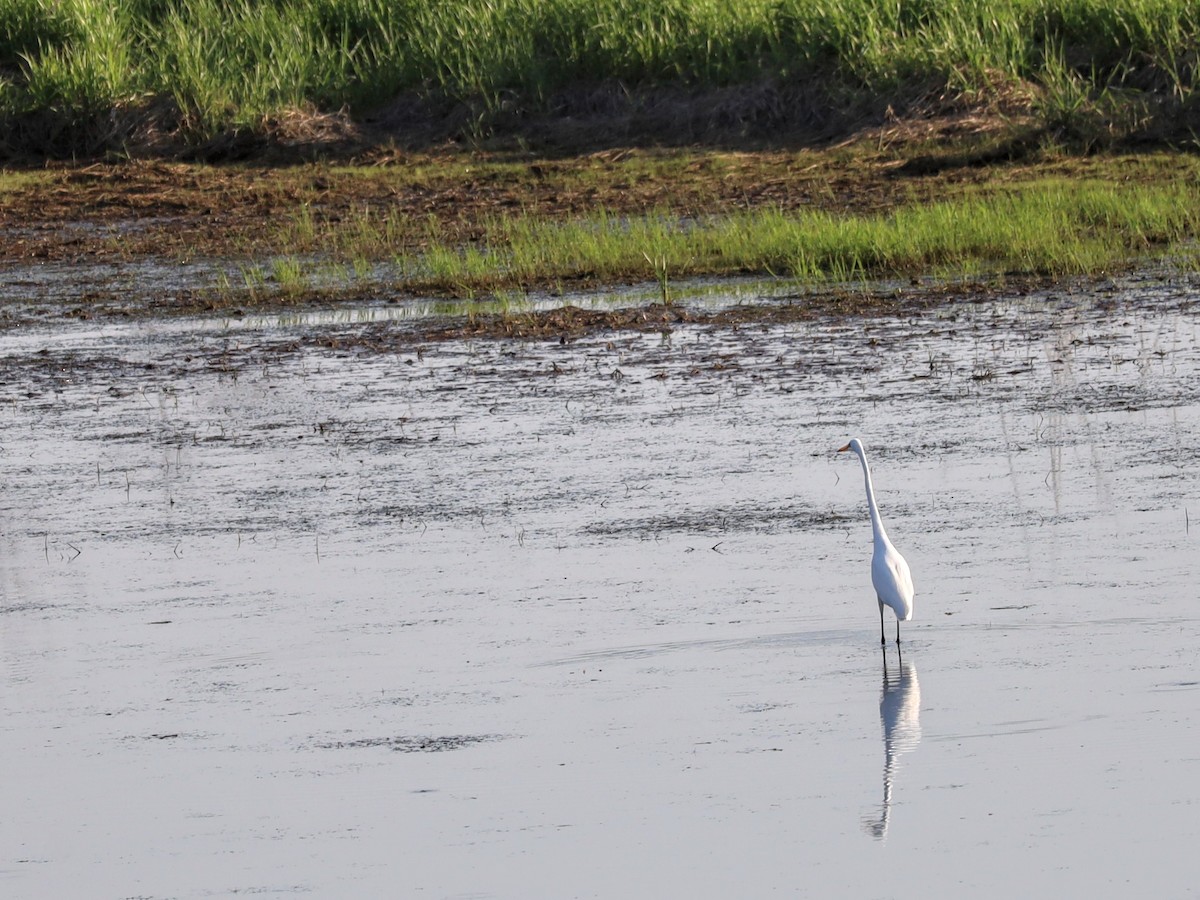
pixel 287 610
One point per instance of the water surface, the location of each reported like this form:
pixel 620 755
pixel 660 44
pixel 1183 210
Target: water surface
pixel 280 614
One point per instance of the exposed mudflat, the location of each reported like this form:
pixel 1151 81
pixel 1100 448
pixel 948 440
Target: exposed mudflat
pixel 321 606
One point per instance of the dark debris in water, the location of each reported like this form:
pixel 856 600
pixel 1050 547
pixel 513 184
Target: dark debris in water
pixel 413 743
pixel 25 608
pixel 723 521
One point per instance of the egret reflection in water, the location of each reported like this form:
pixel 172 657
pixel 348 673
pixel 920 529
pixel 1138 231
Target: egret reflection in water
pixel 900 715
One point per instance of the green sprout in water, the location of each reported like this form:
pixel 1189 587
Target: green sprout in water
pixel 659 265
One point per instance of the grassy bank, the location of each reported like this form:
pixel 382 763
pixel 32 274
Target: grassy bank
pixel 87 76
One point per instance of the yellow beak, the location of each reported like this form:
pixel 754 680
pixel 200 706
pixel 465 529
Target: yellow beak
pixel 843 449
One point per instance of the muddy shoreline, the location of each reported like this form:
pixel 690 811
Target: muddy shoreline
pixel 113 241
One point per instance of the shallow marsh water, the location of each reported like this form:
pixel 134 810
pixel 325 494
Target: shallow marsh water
pixel 282 614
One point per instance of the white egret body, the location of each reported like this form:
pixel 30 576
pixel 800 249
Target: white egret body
pixel 889 571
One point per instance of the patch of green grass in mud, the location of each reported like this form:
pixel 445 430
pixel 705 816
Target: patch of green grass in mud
pixel 1048 227
pixel 492 230
pixel 11 181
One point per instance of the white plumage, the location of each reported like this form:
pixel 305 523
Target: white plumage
pixel 889 571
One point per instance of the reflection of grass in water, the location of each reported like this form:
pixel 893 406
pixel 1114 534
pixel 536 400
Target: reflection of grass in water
pixel 511 302
pixel 503 303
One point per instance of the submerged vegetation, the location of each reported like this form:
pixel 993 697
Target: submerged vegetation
pixel 89 76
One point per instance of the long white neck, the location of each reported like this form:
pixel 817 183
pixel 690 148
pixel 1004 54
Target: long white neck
pixel 876 522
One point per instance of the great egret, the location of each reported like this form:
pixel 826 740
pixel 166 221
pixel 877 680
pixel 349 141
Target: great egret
pixel 889 572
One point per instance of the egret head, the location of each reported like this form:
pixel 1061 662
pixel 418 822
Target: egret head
pixel 855 445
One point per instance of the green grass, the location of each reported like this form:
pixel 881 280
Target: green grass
pixel 228 64
pixel 1047 228
pixel 21 180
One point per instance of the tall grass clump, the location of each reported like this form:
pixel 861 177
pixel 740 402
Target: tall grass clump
pixel 231 64
pixel 25 26
pixel 76 56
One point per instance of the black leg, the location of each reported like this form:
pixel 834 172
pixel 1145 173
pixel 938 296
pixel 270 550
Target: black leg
pixel 882 637
pixel 897 632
